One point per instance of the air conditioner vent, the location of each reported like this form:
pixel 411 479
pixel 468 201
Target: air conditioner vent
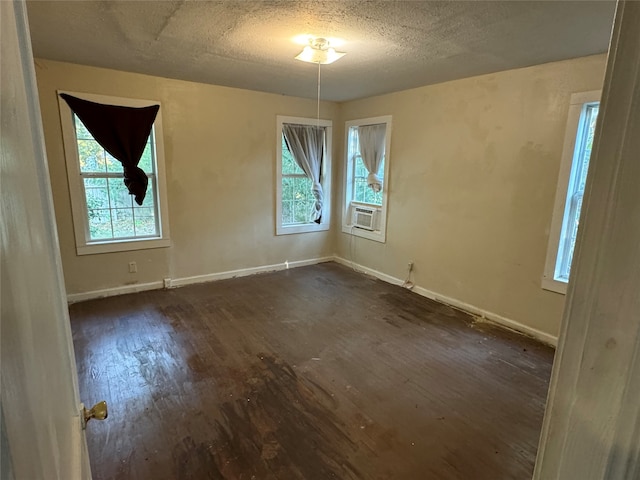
pixel 363 217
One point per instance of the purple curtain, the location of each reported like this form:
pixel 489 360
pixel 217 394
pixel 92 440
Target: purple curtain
pixel 121 131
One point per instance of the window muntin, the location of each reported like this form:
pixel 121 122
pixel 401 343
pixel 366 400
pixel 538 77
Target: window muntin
pixel 294 196
pixel 112 214
pixel 572 178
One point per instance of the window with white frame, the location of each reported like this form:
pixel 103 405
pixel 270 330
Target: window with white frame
pixel 579 136
pixel 366 177
pixel 106 218
pixel 303 183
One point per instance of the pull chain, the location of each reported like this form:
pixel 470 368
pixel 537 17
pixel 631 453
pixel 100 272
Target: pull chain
pixel 318 106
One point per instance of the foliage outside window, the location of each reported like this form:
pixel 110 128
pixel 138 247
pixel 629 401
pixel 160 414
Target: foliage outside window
pixel 295 200
pixel 112 213
pixel 106 217
pixel 579 139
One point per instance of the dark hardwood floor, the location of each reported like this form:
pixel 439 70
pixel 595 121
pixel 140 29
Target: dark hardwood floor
pixel 310 373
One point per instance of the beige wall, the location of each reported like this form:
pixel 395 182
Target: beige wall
pixel 474 166
pixel 220 157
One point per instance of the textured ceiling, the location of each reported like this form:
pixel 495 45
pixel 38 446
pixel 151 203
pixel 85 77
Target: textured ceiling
pixel 390 45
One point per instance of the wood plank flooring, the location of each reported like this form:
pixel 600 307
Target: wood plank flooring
pixel 311 373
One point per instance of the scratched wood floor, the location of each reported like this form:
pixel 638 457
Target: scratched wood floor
pixel 310 373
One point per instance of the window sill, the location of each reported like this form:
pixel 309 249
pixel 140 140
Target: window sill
pixel 554 285
pixel 111 247
pixel 302 228
pixel 375 235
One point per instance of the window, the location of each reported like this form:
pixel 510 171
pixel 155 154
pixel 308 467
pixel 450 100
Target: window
pixel 361 191
pixel 366 177
pixel 581 124
pixel 303 175
pixel 106 218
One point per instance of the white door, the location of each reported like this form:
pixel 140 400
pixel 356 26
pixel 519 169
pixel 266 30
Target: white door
pixel 40 407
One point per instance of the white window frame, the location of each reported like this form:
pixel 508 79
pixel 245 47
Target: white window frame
pixel 84 245
pixel 380 233
pixel 325 177
pixel 578 103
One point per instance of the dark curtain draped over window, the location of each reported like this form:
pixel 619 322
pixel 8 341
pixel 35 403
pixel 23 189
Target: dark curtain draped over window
pixel 123 132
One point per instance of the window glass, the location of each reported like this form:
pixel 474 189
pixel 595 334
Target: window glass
pixel 361 190
pixel 575 193
pixel 111 212
pixel 297 196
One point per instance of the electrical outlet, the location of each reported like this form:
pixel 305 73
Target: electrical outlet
pixel 410 266
pixel 167 282
pixel 133 267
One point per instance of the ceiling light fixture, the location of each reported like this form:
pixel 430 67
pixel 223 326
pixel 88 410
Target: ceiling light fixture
pixel 318 51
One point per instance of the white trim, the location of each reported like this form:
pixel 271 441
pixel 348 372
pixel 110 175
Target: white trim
pixel 137 244
pixel 379 235
pixel 111 292
pixel 325 179
pixel 480 313
pixel 553 285
pixel 243 272
pixel 180 282
pixel 76 188
pixel 576 103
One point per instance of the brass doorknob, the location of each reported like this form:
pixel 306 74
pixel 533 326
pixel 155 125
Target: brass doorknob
pixel 99 411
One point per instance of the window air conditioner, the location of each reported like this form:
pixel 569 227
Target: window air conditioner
pixel 363 217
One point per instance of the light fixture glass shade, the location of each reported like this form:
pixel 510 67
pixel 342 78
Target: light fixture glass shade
pixel 314 54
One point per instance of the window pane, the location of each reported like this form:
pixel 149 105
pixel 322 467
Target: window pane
pixel 96 193
pixel 119 196
pixel 146 161
pixel 145 226
pixel 591 115
pixel 81 131
pixel 287 213
pixel 100 224
pixel 297 200
pixel 289 165
pixel 122 219
pixel 91 156
pixel 361 191
pixel 113 165
pixel 150 197
pixel 573 234
pixel 145 221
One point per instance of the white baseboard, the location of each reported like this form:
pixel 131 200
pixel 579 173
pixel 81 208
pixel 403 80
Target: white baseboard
pixel 479 313
pixel 110 292
pixel 369 271
pixel 243 272
pixel 179 282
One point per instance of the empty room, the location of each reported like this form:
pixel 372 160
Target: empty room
pixel 315 240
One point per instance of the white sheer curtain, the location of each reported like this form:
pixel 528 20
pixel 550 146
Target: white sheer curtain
pixel 306 144
pixel 372 142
